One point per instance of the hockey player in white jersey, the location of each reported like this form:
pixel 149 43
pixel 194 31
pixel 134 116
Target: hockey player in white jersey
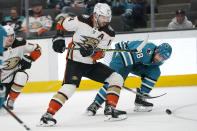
pixel 17 57
pixel 91 32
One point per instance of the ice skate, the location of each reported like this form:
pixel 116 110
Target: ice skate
pixel 92 109
pixel 10 104
pixel 111 114
pixel 141 105
pixel 47 120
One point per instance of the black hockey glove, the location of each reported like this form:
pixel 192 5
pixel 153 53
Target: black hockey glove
pixel 87 50
pixel 58 43
pixel 26 62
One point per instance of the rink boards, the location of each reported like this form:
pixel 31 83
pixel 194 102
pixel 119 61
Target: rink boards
pixel 131 82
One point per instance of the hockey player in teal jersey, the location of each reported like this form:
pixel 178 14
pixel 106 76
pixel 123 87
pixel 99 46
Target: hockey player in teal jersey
pixel 145 63
pixel 3 35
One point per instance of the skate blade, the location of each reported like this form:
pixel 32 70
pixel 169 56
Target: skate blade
pixel 41 124
pixel 142 109
pixel 90 113
pixel 111 119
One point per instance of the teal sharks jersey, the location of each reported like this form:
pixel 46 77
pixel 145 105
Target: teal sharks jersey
pixel 3 34
pixel 138 63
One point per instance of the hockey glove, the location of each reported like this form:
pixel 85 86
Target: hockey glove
pixel 87 50
pixel 26 62
pixel 58 43
pixel 97 55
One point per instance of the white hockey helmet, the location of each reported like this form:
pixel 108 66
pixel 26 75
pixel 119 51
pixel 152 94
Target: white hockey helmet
pixel 104 10
pixel 9 30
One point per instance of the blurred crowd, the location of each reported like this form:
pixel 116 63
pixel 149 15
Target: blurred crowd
pixel 43 17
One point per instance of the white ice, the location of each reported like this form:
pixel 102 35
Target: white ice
pixel 71 117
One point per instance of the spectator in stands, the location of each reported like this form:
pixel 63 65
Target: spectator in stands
pixel 133 17
pixel 14 20
pixel 180 21
pixel 89 5
pixel 38 23
pixel 118 7
pixel 53 3
pixel 78 3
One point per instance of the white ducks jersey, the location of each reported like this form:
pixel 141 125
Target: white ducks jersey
pixel 85 33
pixel 12 56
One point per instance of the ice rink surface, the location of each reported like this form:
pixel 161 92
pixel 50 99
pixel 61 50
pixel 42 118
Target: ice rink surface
pixel 71 117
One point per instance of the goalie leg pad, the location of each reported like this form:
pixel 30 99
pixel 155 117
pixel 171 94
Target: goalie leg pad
pixel 21 78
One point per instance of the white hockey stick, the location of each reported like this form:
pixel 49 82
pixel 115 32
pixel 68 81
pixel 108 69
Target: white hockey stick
pixel 141 46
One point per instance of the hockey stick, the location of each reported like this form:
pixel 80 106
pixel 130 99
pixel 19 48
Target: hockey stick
pixel 104 50
pixel 146 97
pixel 139 48
pixel 18 120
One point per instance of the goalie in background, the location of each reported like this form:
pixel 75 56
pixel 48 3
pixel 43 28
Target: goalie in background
pixel 17 57
pixel 145 63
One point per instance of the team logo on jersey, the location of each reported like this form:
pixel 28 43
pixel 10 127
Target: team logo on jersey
pixel 75 78
pixel 36 25
pixel 149 51
pixel 90 40
pixel 11 63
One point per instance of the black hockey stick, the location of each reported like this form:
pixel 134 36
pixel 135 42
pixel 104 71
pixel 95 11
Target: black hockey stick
pixel 104 50
pixel 139 48
pixel 146 97
pixel 20 121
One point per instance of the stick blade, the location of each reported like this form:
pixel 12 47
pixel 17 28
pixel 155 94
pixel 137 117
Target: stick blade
pixel 139 48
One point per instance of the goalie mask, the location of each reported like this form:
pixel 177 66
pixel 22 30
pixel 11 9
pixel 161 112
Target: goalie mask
pixel 102 12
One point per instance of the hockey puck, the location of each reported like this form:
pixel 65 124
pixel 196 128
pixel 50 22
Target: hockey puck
pixel 168 111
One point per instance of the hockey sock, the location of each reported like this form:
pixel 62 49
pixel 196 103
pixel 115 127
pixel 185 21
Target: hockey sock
pixel 15 91
pixel 54 106
pixel 101 95
pixel 56 102
pixel 113 93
